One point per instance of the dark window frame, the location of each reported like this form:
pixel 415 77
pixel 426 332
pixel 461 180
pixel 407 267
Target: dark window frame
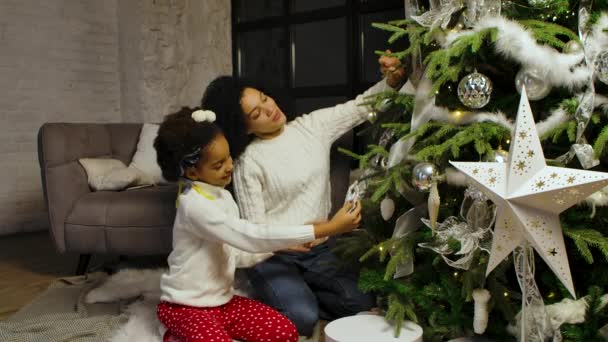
pixel 352 10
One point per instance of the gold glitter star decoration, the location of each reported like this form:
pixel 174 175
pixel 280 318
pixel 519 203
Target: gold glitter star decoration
pixel 529 192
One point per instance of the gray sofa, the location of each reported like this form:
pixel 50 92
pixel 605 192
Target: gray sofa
pixel 127 223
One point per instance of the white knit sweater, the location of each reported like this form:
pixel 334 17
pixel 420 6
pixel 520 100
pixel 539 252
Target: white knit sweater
pixel 286 179
pixel 209 243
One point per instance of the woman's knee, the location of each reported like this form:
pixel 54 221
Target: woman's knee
pixel 304 317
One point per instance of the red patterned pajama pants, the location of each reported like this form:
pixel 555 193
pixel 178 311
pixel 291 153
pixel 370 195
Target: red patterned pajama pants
pixel 241 318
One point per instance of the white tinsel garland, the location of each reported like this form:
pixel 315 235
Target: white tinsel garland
pixel 518 44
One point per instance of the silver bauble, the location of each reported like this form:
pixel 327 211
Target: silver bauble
pixel 500 156
pixel 422 176
pixel 474 90
pixel 601 66
pixel 535 82
pixel 573 47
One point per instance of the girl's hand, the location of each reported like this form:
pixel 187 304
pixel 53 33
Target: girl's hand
pixel 392 69
pixel 347 218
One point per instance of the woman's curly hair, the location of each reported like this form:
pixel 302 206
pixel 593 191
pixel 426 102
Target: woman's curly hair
pixel 178 136
pixel 223 96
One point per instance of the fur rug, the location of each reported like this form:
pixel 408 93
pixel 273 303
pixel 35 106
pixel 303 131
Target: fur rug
pixel 128 284
pixel 141 289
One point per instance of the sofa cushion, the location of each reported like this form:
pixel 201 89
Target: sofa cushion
pixel 143 207
pixel 107 173
pixel 144 160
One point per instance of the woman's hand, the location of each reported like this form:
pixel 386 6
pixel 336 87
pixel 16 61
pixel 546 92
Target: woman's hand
pixel 392 69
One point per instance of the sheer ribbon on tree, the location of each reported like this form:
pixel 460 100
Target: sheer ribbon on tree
pixel 473 230
pixel 582 149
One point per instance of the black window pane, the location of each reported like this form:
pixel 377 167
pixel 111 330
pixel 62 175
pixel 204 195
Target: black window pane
pixel 257 9
pixel 373 39
pixel 309 104
pixel 309 5
pixel 261 56
pixel 319 53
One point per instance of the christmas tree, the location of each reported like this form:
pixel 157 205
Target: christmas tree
pixel 439 244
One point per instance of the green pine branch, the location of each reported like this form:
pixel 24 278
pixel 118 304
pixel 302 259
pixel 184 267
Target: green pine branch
pixel 599 146
pixel 436 146
pixel 364 159
pixel 549 33
pixel 586 238
pixel 446 64
pixel 417 36
pixel 400 129
pixel 377 100
pixel 394 179
pixel 568 128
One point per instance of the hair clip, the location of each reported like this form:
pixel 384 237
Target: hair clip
pixel 203 115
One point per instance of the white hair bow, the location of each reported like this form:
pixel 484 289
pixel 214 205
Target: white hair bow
pixel 203 115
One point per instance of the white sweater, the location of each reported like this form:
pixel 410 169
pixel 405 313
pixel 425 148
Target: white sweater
pixel 286 179
pixel 209 243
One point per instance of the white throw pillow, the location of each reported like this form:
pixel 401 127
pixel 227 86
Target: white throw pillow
pixel 107 173
pixel 144 160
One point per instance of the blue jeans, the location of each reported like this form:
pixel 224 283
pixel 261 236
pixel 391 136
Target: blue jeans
pixel 308 286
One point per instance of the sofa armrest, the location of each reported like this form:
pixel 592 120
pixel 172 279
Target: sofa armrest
pixel 64 181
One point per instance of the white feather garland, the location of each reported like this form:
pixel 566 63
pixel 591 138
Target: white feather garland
pixel 516 43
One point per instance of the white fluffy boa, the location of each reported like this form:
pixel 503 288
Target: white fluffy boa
pixel 144 286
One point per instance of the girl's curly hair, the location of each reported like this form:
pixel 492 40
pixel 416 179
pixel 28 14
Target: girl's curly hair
pixel 178 136
pixel 223 96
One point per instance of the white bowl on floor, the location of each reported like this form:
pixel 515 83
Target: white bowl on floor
pixel 366 328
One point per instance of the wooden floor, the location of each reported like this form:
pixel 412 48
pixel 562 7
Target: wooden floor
pixel 28 264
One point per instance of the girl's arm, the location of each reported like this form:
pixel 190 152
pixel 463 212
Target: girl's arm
pixel 211 223
pixel 246 259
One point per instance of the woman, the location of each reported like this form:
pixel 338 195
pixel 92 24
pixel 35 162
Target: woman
pixel 282 176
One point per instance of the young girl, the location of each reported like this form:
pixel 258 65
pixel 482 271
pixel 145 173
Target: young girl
pixel 210 241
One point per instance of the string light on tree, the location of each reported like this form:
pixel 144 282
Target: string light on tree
pixel 498 156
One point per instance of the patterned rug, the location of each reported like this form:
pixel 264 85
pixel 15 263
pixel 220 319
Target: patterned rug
pixel 95 308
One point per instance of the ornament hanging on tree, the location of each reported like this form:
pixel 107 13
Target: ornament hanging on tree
pixel 573 47
pixel 474 90
pixel 433 203
pixel 480 316
pixel 387 208
pixel 499 156
pixel 372 116
pixel 601 66
pixel 535 82
pixel 423 176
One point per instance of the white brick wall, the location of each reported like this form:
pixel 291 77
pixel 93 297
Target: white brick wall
pixel 58 62
pixel 95 61
pixel 187 45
